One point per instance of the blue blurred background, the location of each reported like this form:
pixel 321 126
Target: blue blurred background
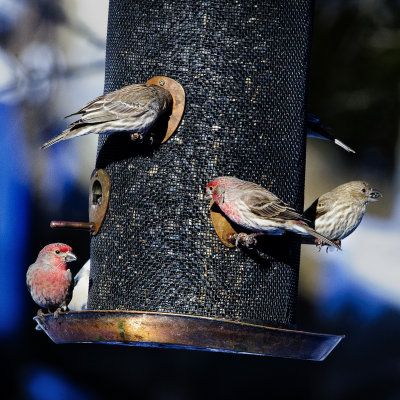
pixel 51 63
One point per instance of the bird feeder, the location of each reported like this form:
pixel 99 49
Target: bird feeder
pixel 161 275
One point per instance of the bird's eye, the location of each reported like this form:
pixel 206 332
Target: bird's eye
pixel 57 251
pixel 363 190
pixel 210 187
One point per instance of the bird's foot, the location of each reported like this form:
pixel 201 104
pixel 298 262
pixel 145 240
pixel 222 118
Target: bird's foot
pixel 137 137
pixel 338 242
pixel 319 244
pixel 245 239
pixel 40 313
pixel 41 325
pixel 57 313
pixel 142 138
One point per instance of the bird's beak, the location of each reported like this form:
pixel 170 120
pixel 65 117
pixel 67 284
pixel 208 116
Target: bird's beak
pixel 207 196
pixel 70 257
pixel 374 195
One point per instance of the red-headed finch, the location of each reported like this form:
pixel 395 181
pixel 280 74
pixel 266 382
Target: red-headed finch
pixel 316 129
pixel 257 209
pixel 337 213
pixel 48 279
pixel 133 108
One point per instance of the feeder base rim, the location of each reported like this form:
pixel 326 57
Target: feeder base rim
pixel 180 331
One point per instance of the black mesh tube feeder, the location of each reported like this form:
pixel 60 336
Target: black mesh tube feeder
pixel 160 274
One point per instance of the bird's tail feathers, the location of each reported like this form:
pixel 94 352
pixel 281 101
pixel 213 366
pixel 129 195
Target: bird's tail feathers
pixel 341 144
pixel 61 136
pixel 68 134
pixel 317 235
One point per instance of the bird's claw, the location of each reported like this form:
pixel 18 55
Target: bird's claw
pixel 244 239
pixel 319 244
pixel 41 325
pixel 141 138
pixel 40 313
pixel 137 137
pixel 57 313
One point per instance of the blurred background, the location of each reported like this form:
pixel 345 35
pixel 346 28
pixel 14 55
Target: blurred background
pixel 51 63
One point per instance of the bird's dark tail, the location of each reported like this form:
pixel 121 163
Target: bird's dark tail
pixel 315 128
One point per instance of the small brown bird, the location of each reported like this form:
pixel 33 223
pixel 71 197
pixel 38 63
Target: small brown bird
pixel 338 213
pixel 257 209
pixel 133 108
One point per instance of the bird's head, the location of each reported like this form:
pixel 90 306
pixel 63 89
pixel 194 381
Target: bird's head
pixel 215 190
pixel 58 253
pixel 363 192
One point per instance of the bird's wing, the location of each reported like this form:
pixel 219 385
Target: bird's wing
pixel 98 99
pixel 275 209
pixel 325 203
pixel 132 101
pixel 266 205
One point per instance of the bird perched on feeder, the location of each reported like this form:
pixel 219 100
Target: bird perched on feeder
pixel 81 289
pixel 257 209
pixel 316 129
pixel 133 108
pixel 336 214
pixel 48 279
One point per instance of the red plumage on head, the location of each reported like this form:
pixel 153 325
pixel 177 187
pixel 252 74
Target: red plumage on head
pixel 56 246
pixel 213 192
pixel 212 184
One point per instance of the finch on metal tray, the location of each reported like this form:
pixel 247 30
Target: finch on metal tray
pixel 316 129
pixel 81 289
pixel 48 279
pixel 133 108
pixel 257 209
pixel 338 213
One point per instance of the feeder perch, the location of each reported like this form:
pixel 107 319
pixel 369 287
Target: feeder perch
pixel 99 195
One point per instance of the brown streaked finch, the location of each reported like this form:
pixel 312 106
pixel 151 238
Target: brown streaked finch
pixel 336 214
pixel 316 129
pixel 134 108
pixel 257 209
pixel 48 279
